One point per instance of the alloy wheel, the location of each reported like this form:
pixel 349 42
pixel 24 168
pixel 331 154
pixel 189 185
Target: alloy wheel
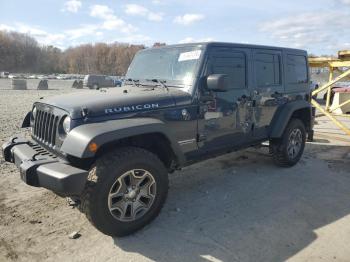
pixel 295 142
pixel 132 195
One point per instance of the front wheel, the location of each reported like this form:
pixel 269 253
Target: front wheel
pixel 126 190
pixel 288 149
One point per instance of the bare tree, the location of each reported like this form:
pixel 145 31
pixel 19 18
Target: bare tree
pixel 21 53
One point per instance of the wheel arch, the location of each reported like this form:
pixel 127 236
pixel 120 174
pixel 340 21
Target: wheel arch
pixel 155 142
pixel 150 134
pixel 300 109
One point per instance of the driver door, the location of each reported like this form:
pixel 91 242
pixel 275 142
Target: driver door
pixel 224 120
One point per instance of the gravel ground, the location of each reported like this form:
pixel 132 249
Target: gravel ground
pixel 238 207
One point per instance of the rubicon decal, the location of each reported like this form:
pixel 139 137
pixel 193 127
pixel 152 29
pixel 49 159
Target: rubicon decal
pixel 133 108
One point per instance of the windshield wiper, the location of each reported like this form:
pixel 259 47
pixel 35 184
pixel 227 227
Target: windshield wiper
pixel 160 82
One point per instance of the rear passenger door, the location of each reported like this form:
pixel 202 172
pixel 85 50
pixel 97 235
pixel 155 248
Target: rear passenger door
pixel 268 88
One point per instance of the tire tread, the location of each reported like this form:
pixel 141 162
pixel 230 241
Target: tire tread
pixel 277 145
pixel 107 160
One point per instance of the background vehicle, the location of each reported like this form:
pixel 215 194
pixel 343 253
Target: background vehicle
pixel 117 81
pixel 111 150
pixel 4 74
pixel 98 81
pixel 12 76
pixel 42 77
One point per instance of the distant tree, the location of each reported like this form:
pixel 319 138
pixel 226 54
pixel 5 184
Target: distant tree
pixel 21 53
pixel 158 44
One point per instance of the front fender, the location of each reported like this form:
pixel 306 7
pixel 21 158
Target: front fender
pixel 283 115
pixel 78 140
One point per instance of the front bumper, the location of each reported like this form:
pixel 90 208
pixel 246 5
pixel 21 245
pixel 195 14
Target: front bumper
pixel 41 168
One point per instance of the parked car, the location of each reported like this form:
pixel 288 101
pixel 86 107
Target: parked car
pixel 117 80
pixel 4 74
pixel 111 150
pixel 98 81
pixel 12 76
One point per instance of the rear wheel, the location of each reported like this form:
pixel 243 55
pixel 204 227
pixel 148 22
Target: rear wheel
pixel 288 149
pixel 126 190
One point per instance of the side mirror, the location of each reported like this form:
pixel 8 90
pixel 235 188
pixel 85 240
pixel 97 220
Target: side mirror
pixel 218 82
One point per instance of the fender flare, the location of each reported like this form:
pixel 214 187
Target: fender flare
pixel 26 120
pixel 77 141
pixel 283 115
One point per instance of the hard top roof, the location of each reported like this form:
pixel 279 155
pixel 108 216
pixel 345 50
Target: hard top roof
pixel 237 45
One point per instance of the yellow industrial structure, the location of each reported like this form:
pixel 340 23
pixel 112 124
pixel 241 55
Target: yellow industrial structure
pixel 340 65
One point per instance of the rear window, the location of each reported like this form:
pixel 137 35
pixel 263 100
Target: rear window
pixel 268 69
pixel 296 69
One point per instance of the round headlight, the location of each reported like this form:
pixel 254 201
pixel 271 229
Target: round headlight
pixel 66 124
pixel 34 111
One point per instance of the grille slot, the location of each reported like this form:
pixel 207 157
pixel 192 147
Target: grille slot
pixel 45 127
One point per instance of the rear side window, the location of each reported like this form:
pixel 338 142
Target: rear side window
pixel 232 64
pixel 296 69
pixel 268 69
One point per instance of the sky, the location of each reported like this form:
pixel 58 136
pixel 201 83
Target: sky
pixel 321 27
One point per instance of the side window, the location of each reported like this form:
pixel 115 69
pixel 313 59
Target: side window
pixel 268 69
pixel 296 69
pixel 232 64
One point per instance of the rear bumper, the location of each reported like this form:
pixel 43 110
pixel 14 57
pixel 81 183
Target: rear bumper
pixel 40 168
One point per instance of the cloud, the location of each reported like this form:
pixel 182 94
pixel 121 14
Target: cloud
pixel 72 6
pixel 110 20
pixel 82 31
pixel 4 27
pixel 134 38
pixel 118 24
pixel 39 34
pixel 101 11
pixel 327 30
pixel 188 19
pixel 134 9
pixel 79 34
pixel 194 40
pixel 157 2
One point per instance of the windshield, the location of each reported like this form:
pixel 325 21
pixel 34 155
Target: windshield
pixel 177 66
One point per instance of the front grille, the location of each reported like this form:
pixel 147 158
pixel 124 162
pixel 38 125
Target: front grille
pixel 45 127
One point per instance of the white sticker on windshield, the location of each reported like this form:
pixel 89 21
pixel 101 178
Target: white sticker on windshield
pixel 192 55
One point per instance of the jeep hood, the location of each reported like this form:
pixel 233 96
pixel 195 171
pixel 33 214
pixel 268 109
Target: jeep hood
pixel 113 101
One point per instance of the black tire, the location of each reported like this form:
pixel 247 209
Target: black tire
pixel 279 147
pixel 104 174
